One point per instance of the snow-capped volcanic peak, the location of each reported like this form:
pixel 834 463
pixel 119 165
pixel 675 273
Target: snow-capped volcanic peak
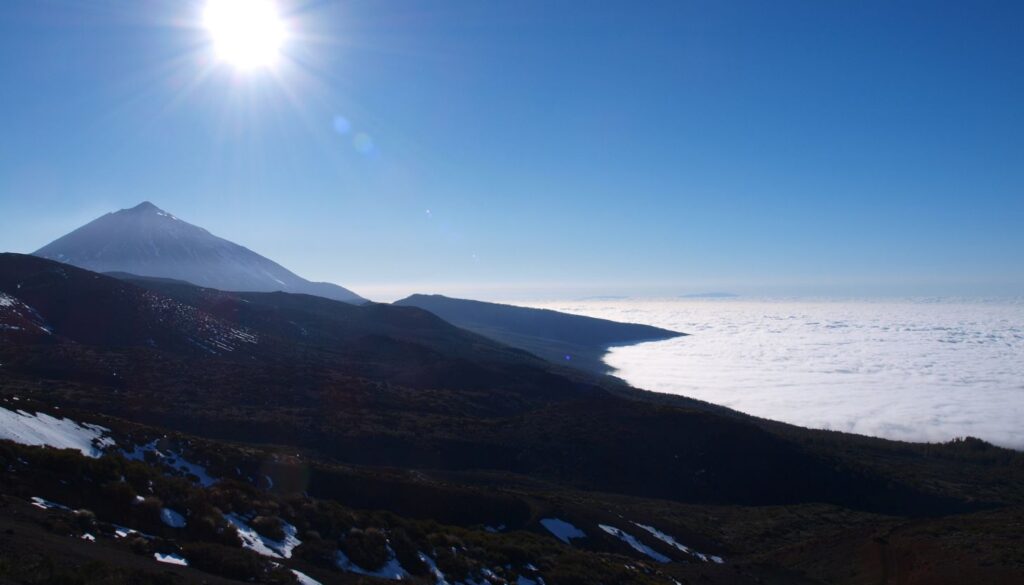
pixel 148 241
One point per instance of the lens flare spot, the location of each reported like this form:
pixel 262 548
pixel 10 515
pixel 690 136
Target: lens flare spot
pixel 363 143
pixel 342 125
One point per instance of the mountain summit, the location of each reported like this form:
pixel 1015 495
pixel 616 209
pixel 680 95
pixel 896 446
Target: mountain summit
pixel 147 241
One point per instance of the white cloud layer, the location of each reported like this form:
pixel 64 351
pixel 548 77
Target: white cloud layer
pixel 909 370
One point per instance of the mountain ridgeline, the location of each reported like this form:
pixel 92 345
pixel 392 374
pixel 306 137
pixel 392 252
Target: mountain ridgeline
pixel 558 337
pixel 147 241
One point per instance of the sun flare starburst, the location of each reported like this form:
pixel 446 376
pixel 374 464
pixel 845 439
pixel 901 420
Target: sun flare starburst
pixel 247 34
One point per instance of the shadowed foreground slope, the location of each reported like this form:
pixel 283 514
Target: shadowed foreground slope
pixel 392 408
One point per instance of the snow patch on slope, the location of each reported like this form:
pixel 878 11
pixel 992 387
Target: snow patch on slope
pixel 304 579
pixel 562 530
pixel 634 543
pixel 678 546
pixel 172 518
pixel 254 541
pixel 17 316
pixel 211 334
pixel 171 559
pixel 171 459
pixel 439 578
pixel 392 569
pixel 48 505
pixel 61 433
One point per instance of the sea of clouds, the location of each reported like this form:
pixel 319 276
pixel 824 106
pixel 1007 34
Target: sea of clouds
pixel 919 370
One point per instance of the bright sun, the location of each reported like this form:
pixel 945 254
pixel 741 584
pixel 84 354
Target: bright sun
pixel 246 33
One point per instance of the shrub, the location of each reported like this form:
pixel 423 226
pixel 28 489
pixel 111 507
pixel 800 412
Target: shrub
pixel 212 527
pixel 85 520
pixel 117 497
pixel 148 513
pixel 139 545
pixel 366 548
pixel 268 526
pixel 234 563
pixel 317 551
pixel 454 566
pixel 408 553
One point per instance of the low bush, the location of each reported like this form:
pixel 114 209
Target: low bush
pixel 366 548
pixel 408 553
pixel 234 563
pixel 268 526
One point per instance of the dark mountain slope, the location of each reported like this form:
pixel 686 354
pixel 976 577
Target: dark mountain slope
pixel 148 241
pixel 314 320
pixel 288 338
pixel 396 386
pixel 559 337
pixel 70 304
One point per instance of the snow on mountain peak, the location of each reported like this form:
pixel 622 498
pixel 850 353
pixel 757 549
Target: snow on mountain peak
pixel 147 241
pixel 144 206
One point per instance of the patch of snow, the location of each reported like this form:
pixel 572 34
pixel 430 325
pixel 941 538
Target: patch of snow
pixel 252 540
pixel 392 569
pixel 304 579
pixel 272 277
pixel 172 518
pixel 125 532
pixel 48 505
pixel 171 559
pixel 562 530
pixel 678 546
pixel 214 335
pixel 494 529
pixel 172 460
pixel 88 537
pixel 439 578
pixel 633 542
pixel 61 433
pixel 20 309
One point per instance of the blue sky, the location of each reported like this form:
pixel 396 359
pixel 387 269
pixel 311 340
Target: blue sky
pixel 562 148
